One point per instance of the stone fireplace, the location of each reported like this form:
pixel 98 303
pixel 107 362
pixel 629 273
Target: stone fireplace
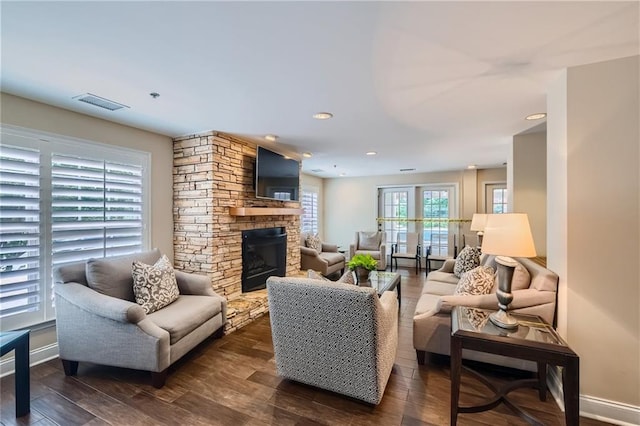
pixel 264 253
pixel 212 178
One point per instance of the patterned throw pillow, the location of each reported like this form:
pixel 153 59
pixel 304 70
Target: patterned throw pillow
pixel 347 278
pixel 314 242
pixel 154 286
pixel 468 259
pixel 477 281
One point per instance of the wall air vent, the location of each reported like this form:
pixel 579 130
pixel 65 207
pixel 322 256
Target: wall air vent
pixel 100 102
pixel 317 170
pixel 407 170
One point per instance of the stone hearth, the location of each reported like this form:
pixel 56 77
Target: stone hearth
pixel 212 173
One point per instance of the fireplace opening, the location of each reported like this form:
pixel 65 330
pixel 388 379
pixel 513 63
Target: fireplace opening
pixel 264 253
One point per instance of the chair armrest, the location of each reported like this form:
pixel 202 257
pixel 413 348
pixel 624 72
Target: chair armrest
pixel 194 284
pixel 394 248
pixel 389 302
pixel 383 251
pixel 352 250
pixel 306 251
pixel 99 304
pixel 330 248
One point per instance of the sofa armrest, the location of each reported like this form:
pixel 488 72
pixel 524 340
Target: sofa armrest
pixel 447 266
pixel 195 284
pixel 306 251
pixel 99 304
pixel 525 298
pixel 329 248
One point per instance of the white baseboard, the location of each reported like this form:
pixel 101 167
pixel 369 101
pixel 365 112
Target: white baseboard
pixel 36 356
pixel 595 408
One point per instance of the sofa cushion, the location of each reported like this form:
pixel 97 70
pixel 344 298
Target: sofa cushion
pixel 369 241
pixel 468 259
pixel 186 314
pixel 314 242
pixel 154 286
pixel 445 277
pixel 428 304
pixel 477 281
pixel 439 288
pixel 112 276
pixel 332 258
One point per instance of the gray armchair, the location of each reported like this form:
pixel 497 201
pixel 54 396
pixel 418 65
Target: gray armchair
pixel 334 336
pixel 328 261
pixel 373 243
pixel 98 321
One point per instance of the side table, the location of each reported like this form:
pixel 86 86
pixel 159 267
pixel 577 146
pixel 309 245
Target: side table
pixel 533 340
pixel 19 341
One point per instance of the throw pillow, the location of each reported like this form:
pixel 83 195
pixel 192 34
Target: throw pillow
pixel 521 278
pixel 369 241
pixel 347 278
pixel 314 242
pixel 468 259
pixel 155 285
pixel 477 281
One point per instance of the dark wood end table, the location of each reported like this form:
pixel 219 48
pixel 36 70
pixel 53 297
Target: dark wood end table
pixel 533 340
pixel 19 341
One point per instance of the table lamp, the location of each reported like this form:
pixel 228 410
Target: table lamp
pixel 507 235
pixel 478 222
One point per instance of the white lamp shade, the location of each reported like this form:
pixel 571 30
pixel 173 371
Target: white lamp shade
pixel 508 234
pixel 478 222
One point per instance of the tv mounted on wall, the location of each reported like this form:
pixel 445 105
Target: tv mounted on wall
pixel 277 176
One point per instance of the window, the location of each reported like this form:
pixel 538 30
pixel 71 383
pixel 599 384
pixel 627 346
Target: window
pixel 436 209
pixel 309 218
pixel 395 211
pixel 61 201
pixel 496 195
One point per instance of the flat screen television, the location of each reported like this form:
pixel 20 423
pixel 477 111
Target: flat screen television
pixel 277 176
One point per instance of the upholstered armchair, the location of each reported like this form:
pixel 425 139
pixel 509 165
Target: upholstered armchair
pixel 327 260
pixel 335 336
pixel 373 243
pixel 99 321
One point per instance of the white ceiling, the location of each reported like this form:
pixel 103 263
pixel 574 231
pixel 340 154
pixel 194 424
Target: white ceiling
pixel 428 85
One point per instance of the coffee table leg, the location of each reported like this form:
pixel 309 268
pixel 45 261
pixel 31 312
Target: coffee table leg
pixel 571 390
pixel 456 368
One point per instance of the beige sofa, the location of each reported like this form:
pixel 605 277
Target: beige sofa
pixel 432 317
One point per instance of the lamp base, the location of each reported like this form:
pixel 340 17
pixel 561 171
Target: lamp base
pixel 502 319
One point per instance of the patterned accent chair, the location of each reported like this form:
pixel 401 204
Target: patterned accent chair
pixel 98 320
pixel 335 336
pixel 373 243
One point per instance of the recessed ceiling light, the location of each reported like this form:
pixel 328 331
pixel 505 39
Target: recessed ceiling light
pixel 271 138
pixel 371 153
pixel 536 116
pixel 343 174
pixel 322 115
pixel 472 166
pixel 306 154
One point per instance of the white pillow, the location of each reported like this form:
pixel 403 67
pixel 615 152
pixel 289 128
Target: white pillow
pixel 154 286
pixel 477 281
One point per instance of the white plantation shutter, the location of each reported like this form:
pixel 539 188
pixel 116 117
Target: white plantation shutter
pixel 19 231
pixel 62 201
pixel 310 215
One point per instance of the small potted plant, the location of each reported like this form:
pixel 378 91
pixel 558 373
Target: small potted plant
pixel 362 264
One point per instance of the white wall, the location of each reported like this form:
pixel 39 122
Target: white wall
pixel 352 203
pixel 529 185
pixel 594 227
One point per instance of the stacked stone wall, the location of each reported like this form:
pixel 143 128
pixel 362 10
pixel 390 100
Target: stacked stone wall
pixel 213 172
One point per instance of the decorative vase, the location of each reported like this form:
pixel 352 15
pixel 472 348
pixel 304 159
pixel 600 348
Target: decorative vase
pixel 362 274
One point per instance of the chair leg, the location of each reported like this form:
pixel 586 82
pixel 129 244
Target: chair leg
pixel 158 378
pixel 70 367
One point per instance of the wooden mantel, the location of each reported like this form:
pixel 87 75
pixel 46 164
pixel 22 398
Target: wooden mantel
pixel 263 211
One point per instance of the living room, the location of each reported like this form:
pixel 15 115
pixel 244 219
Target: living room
pixel 591 144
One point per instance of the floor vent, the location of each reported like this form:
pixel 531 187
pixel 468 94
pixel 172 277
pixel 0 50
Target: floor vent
pixel 100 102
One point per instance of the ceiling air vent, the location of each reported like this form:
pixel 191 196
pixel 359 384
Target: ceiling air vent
pixel 91 99
pixel 317 170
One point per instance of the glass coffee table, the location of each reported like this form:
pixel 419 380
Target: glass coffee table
pixel 384 281
pixel 532 340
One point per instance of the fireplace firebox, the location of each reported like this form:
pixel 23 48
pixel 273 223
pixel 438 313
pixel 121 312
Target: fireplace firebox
pixel 264 253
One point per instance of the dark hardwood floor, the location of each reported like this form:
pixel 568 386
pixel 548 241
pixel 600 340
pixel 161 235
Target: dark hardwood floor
pixel 232 381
